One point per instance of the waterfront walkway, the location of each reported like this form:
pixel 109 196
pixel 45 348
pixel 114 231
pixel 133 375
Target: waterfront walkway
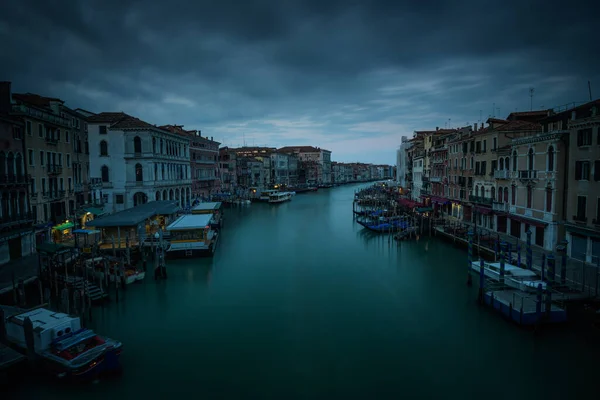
pixel 580 275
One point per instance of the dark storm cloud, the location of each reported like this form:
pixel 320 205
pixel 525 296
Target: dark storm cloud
pixel 349 75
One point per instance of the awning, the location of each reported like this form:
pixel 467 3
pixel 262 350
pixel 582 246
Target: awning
pixel 424 209
pixel 483 210
pixel 62 227
pixel 408 203
pixel 529 221
pixel 440 200
pixel 94 211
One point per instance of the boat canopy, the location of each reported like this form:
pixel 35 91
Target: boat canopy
pixel 189 222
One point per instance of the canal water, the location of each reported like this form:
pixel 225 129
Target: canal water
pixel 299 302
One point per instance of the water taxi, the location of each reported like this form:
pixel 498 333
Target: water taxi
pixel 279 197
pixel 65 348
pixel 265 195
pixel 192 234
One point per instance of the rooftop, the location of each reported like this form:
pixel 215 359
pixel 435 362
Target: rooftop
pixel 190 221
pixel 207 206
pixel 35 99
pixel 135 215
pixel 301 149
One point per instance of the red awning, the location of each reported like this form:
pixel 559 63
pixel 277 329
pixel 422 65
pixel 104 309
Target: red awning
pixel 483 210
pixel 439 200
pixel 408 203
pixel 530 221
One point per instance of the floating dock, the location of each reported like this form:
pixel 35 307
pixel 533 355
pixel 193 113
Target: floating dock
pixel 523 310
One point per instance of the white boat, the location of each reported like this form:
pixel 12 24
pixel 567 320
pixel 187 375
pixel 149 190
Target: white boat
pixel 279 197
pixel 265 195
pixel 66 349
pixel 515 277
pixel 191 234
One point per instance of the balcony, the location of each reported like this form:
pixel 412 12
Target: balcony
pixel 51 140
pixel 22 109
pixel 15 219
pixel 580 219
pixel 502 174
pixel 525 175
pixel 54 169
pixel 481 200
pixel 503 207
pixel 95 183
pixel 13 179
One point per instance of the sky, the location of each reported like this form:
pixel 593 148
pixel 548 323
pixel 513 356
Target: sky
pixel 349 76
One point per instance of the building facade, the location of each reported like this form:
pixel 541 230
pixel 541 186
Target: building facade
pixel 137 162
pixel 48 138
pixel 582 188
pixel 313 158
pixel 16 231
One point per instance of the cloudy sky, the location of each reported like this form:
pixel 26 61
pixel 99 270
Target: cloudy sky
pixel 350 76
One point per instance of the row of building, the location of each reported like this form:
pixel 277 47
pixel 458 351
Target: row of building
pixel 535 171
pixel 61 165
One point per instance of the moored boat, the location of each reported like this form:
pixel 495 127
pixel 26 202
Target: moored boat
pixel 65 348
pixel 515 277
pixel 279 197
pixel 212 208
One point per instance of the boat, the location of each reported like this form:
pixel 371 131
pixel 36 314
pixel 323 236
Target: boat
pixel 192 234
pixel 131 273
pixel 65 348
pixel 515 277
pixel 279 197
pixel 385 225
pixel 212 208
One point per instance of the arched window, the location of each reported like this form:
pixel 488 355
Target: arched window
pixel 529 196
pixel 500 194
pixel 513 199
pixel 506 194
pixel 19 165
pixel 501 163
pixel 103 148
pixel 137 144
pixel 472 163
pixel 477 191
pixel 161 146
pixel 530 160
pixel 551 159
pixel 104 173
pixel 493 193
pixel 139 173
pixel 549 200
pixel 10 164
pixel 154 145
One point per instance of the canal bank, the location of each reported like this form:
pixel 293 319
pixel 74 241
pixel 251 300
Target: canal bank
pixel 299 301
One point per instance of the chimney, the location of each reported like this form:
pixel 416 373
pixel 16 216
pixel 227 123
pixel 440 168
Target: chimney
pixel 200 132
pixel 475 126
pixel 5 97
pixel 211 138
pixel 437 128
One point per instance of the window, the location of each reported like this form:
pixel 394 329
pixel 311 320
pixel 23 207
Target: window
pixel 500 194
pixel 40 130
pixel 154 145
pixel 30 158
pixel 67 136
pixel 42 158
pixel 28 128
pixel 494 143
pixel 104 173
pixel 102 129
pixel 484 149
pixel 17 134
pixel 70 182
pixel 493 193
pixel 529 196
pixel 530 156
pixel 476 191
pixel 32 186
pixel 513 193
pixel 514 155
pixel 597 170
pixel 137 144
pixel 548 200
pixel 60 159
pixel 68 161
pixel 44 186
pixel 119 199
pixel 62 183
pixel 483 169
pixel 139 174
pixel 582 170
pixel 584 137
pixel 58 134
pixel 103 148
pixel 581 208
pixel 501 163
pixel 551 159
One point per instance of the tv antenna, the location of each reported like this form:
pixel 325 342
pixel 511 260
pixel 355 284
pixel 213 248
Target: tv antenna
pixel 531 91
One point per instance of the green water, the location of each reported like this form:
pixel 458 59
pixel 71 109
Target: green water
pixel 300 303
